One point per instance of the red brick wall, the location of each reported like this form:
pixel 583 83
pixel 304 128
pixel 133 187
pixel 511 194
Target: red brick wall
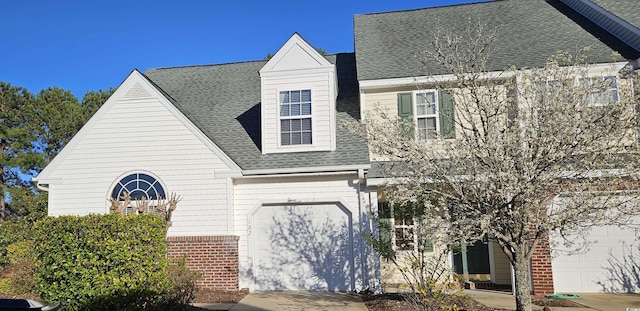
pixel 215 256
pixel 541 269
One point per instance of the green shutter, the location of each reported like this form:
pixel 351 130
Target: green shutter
pixel 445 108
pixel 405 107
pixel 405 113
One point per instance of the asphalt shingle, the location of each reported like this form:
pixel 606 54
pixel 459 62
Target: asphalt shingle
pixel 388 45
pixel 224 102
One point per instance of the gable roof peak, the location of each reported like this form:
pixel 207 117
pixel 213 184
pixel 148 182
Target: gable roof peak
pixel 296 53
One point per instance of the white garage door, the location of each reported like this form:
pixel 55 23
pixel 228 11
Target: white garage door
pixel 611 265
pixel 302 247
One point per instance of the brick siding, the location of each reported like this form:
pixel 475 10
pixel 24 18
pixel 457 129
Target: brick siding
pixel 541 271
pixel 215 256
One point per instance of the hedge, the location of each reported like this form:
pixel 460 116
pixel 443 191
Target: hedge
pixel 101 262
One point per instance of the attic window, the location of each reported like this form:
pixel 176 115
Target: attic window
pixel 295 117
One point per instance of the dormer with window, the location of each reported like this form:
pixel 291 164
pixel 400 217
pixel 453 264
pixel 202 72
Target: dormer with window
pixel 299 90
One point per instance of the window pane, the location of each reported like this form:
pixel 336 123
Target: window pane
pixel 138 195
pixel 431 109
pixel 295 125
pixel 295 109
pixel 285 125
pixel 422 123
pixel 306 137
pixel 284 110
pixel 306 124
pixel 295 96
pixel 116 191
pixel 422 109
pixel 306 109
pixel 284 97
pixel 306 95
pixel 284 139
pixel 128 179
pixel 160 191
pixel 296 138
pixel 430 123
pixel 429 97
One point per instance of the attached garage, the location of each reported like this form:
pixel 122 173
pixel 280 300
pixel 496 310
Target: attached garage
pixel 302 247
pixel 610 265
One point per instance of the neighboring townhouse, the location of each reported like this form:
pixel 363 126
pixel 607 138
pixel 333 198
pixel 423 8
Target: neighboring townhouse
pixel 394 77
pixel 276 192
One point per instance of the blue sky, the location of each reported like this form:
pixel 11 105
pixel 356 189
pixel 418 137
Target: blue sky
pixel 91 45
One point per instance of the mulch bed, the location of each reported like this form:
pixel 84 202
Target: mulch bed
pixel 402 302
pixel 219 296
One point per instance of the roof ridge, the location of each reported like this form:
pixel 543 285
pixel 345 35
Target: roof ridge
pixel 207 65
pixel 231 63
pixel 433 7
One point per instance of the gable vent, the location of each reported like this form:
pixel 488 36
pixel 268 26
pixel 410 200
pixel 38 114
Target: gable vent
pixel 613 24
pixel 136 92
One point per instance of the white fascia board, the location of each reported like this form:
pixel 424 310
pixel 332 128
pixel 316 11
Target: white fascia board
pixel 396 82
pixel 312 170
pixel 311 71
pixel 410 81
pixel 227 173
pixel 48 181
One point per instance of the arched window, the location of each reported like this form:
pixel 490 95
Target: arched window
pixel 140 187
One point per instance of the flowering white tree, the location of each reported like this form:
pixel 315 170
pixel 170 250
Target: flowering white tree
pixel 524 139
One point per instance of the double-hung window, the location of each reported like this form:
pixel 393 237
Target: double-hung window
pixel 427 115
pixel 295 117
pixel 601 90
pixel 398 227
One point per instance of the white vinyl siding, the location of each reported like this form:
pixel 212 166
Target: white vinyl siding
pixel 298 66
pixel 138 133
pixel 323 112
pixel 250 193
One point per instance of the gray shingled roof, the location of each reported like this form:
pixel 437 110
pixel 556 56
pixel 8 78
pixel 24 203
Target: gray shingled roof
pixel 529 31
pixel 224 102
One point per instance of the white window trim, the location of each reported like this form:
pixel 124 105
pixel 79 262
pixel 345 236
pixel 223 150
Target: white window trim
pixel 593 95
pixel 132 204
pixel 588 103
pixel 311 116
pixel 416 116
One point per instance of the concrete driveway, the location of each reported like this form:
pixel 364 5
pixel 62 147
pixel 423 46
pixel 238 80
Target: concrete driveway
pixel 610 302
pixel 299 300
pixel 601 302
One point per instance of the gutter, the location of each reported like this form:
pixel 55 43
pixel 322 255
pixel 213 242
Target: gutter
pixel 307 171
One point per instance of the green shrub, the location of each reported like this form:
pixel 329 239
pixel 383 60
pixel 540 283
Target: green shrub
pixel 21 251
pixel 5 286
pixel 101 262
pixel 12 232
pixel 181 281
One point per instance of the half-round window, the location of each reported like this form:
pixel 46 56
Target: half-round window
pixel 139 187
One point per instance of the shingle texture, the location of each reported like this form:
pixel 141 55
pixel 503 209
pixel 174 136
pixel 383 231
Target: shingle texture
pixel 224 102
pixel 388 45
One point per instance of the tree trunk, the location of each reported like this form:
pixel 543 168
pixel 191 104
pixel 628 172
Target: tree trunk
pixel 523 281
